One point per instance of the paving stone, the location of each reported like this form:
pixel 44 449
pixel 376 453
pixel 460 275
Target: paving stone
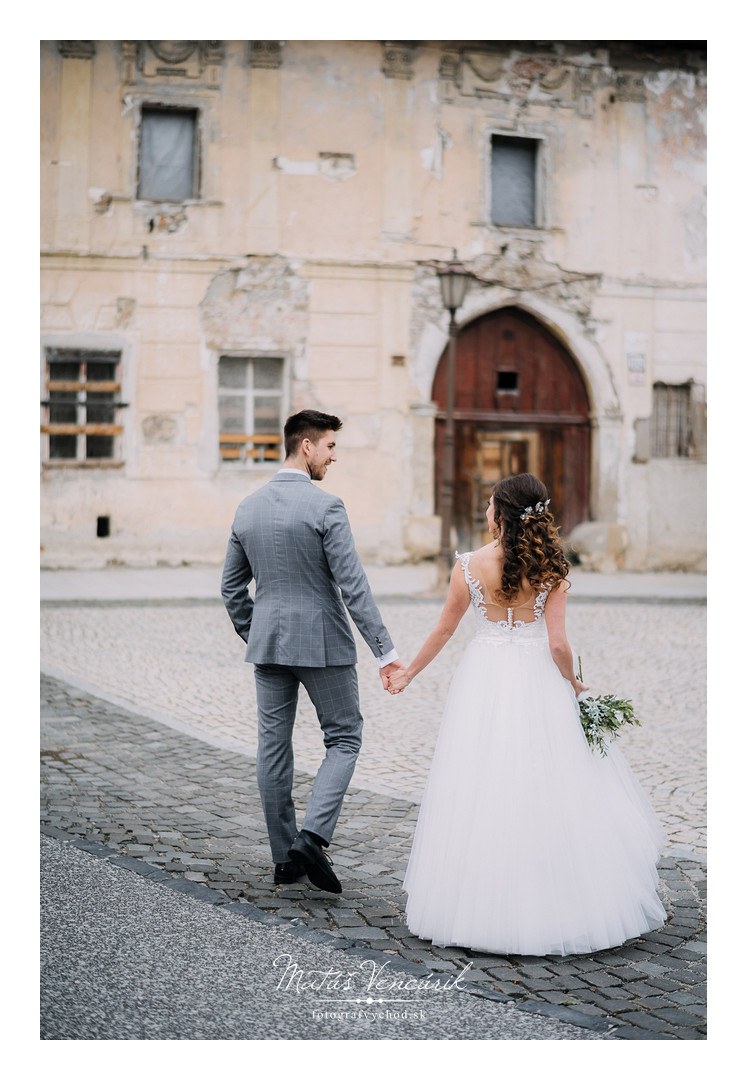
pixel 558 997
pixel 630 1032
pixel 671 964
pixel 694 946
pixel 650 968
pixel 616 993
pixel 364 933
pixel 663 983
pixel 688 977
pixel 645 1020
pixel 680 1017
pixel 684 999
pixel 600 978
pixel 476 975
pixel 651 988
pixel 589 1010
pixel 536 984
pixel 698 1008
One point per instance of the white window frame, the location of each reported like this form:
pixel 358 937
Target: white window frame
pixel 244 460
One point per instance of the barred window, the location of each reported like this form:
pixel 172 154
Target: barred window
pixel 250 408
pixel 672 421
pixel 80 413
pixel 168 166
pixel 514 181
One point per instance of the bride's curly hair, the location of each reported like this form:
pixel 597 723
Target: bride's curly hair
pixel 532 547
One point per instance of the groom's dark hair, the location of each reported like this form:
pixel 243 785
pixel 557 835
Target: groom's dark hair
pixel 307 424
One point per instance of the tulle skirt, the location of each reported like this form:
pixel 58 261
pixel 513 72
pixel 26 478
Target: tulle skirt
pixel 528 843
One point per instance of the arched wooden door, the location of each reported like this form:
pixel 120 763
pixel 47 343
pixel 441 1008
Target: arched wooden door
pixel 520 406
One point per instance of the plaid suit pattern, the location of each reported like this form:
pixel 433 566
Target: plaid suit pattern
pixel 294 540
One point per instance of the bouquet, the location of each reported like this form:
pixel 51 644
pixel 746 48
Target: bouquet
pixel 602 717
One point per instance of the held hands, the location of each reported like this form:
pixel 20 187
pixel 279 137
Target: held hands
pixel 399 681
pixel 394 677
pixel 388 671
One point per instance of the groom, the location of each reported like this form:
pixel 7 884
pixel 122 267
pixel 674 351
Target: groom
pixel 295 541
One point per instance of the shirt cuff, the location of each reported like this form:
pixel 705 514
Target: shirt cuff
pixel 388 658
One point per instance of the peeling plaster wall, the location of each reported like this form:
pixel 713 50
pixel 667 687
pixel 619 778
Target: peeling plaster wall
pixel 333 174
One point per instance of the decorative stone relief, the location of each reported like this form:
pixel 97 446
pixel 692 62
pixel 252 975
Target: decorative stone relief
pixel 511 77
pixel 159 428
pixel 630 86
pixel 265 54
pixel 196 61
pixel 449 71
pixel 533 77
pixel 583 90
pixel 486 66
pixel 397 60
pixel 173 52
pixel 77 50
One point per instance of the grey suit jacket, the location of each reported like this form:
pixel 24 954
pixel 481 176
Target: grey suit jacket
pixel 295 541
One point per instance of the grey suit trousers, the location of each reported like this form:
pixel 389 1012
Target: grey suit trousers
pixel 334 694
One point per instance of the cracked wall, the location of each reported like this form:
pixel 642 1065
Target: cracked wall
pixel 333 176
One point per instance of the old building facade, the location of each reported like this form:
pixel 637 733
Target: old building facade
pixel 235 230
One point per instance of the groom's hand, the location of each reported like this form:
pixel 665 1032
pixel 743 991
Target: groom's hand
pixel 386 673
pixel 399 681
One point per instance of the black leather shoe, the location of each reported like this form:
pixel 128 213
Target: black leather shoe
pixel 288 872
pixel 315 862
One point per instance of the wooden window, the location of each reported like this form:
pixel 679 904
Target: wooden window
pixel 514 181
pixel 168 166
pixel 672 421
pixel 82 405
pixel 250 408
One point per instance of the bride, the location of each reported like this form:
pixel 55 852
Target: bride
pixel 527 842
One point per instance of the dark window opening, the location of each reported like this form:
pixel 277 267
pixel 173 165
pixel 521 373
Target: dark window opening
pixel 102 526
pixel 672 425
pixel 507 382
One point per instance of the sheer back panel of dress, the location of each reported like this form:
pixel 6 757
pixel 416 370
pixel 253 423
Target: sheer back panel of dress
pixel 529 606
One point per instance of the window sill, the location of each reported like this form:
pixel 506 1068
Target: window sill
pixel 176 204
pixel 243 465
pixel 55 465
pixel 513 230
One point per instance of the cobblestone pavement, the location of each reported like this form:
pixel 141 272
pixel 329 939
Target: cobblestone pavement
pixel 183 664
pixel 168 785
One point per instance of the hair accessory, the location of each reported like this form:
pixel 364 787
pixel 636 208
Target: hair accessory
pixel 538 508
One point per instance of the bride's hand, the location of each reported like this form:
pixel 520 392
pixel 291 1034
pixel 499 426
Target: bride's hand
pixel 399 681
pixel 579 687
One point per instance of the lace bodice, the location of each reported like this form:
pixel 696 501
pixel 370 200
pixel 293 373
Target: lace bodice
pixel 503 629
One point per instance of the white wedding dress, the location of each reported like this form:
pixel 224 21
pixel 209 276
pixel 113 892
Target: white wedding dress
pixel 527 842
